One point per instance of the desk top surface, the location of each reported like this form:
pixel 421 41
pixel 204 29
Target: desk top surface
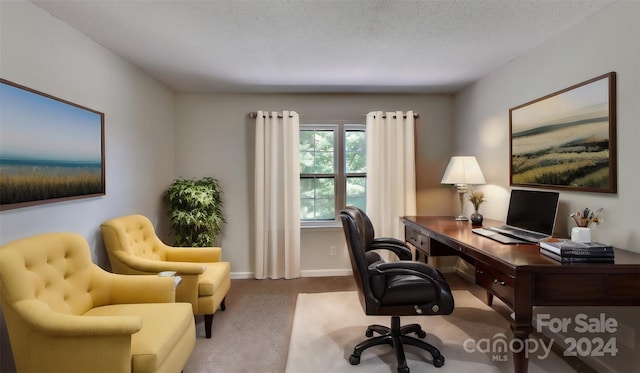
pixel 458 234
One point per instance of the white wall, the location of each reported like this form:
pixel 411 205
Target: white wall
pixel 42 53
pixel 607 41
pixel 214 137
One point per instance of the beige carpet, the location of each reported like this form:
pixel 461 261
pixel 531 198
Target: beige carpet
pixel 326 327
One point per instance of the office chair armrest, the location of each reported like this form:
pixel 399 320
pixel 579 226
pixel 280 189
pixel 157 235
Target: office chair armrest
pixel 444 300
pixel 394 245
pixel 390 240
pixel 406 267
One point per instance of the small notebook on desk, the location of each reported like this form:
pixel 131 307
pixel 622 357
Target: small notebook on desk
pixel 530 218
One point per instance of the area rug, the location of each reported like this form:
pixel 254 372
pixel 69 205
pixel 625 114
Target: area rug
pixel 326 327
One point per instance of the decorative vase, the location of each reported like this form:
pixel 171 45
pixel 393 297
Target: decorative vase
pixel 476 219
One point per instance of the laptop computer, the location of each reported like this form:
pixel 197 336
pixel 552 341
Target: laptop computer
pixel 530 218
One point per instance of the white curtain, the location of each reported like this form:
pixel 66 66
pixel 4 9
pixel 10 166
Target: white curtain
pixel 277 195
pixel 391 180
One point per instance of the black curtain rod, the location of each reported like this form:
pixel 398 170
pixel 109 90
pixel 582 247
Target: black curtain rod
pixel 254 115
pixel 384 116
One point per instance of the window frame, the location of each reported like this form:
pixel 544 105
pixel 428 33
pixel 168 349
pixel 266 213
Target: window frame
pixel 339 129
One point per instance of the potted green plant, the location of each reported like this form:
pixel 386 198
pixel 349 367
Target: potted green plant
pixel 195 211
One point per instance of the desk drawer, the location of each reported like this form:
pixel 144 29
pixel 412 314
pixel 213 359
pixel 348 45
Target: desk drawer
pixel 497 283
pixel 417 239
pixel 426 243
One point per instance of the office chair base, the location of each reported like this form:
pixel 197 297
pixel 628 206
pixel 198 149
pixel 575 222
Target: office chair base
pixel 397 337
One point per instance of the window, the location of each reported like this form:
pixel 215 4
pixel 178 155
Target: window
pixel 332 170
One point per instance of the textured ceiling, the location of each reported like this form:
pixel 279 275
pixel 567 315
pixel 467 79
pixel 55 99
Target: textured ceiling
pixel 320 45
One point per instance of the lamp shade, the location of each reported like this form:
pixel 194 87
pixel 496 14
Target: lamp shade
pixel 463 170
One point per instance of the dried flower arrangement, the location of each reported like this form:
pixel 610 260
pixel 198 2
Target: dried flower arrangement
pixel 586 217
pixel 476 198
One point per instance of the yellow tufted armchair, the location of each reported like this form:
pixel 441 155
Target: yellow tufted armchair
pixel 66 314
pixel 134 248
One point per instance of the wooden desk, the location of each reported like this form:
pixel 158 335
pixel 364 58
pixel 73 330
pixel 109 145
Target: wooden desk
pixel 522 277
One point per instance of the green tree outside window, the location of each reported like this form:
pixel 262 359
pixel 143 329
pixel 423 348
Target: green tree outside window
pixel 332 170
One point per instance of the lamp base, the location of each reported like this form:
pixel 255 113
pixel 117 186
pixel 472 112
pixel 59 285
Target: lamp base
pixel 462 190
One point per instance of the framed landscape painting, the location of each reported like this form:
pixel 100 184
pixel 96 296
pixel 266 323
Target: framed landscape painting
pixel 567 140
pixel 50 150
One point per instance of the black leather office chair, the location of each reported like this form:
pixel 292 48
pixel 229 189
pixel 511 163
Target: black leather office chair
pixel 400 288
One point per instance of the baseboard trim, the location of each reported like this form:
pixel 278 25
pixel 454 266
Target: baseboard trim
pixel 326 272
pixel 447 269
pixel 304 273
pixel 321 273
pixel 241 275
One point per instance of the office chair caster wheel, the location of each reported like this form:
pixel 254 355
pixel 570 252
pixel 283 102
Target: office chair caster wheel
pixel 354 359
pixel 438 361
pixel 421 334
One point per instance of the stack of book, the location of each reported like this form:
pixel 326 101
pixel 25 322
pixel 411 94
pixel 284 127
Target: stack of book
pixel 567 251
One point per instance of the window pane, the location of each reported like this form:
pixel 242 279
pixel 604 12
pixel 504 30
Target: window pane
pixel 356 163
pixel 356 186
pixel 306 162
pixel 324 141
pixel 325 187
pixel 325 209
pixel 317 198
pixel 307 209
pixel 320 194
pixel 307 141
pixel 317 152
pixel 307 188
pixel 355 140
pixel 357 202
pixel 355 152
pixel 324 163
pixel 357 192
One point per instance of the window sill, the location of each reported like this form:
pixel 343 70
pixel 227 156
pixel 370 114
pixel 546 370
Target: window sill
pixel 329 226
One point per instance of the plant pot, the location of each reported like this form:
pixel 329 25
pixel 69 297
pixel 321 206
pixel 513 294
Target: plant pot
pixel 476 219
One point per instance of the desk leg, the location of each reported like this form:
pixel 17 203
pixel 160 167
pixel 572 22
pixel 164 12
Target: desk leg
pixel 521 323
pixel 489 299
pixel 520 359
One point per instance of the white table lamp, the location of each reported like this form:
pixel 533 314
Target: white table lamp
pixel 461 172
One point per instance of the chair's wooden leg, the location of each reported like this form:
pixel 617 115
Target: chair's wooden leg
pixel 208 325
pixel 223 306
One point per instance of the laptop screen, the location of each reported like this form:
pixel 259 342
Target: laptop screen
pixel 533 210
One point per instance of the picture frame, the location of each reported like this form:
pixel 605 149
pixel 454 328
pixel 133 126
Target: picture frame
pixel 567 140
pixel 51 150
